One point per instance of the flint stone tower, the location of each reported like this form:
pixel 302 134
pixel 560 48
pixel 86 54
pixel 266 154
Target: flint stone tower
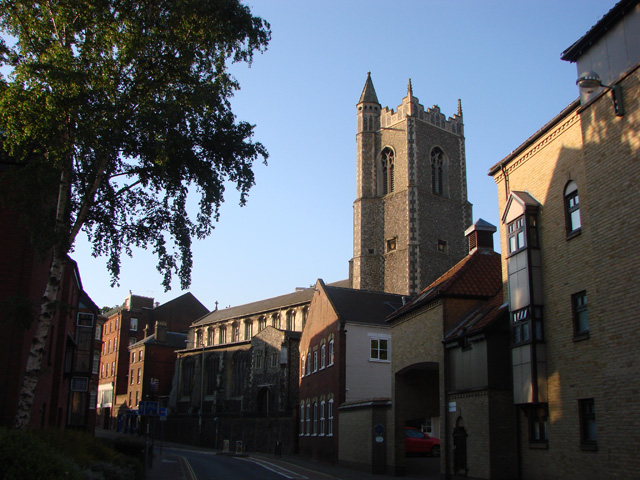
pixel 411 208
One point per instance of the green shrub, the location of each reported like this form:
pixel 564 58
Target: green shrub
pixel 67 454
pixel 23 455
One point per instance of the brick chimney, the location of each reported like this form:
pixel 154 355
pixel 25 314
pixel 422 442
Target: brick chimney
pixel 161 332
pixel 480 236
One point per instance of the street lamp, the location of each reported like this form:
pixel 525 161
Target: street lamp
pixel 590 82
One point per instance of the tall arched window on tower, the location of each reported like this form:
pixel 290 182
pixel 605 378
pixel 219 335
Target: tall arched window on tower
pixel 388 174
pixel 437 171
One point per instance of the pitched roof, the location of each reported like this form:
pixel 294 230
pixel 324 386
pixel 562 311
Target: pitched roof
pixel 478 275
pixel 174 339
pixel 481 317
pixel 362 306
pixel 606 23
pixel 274 303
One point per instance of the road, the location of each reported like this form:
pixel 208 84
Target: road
pixel 187 464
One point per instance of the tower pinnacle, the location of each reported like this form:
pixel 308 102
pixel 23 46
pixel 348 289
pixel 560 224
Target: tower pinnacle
pixel 368 92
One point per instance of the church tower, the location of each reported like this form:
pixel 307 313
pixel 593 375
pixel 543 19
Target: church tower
pixel 411 208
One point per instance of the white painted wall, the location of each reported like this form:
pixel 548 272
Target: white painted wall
pixel 366 378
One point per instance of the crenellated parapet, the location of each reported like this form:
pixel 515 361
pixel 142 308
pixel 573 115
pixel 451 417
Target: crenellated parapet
pixel 411 107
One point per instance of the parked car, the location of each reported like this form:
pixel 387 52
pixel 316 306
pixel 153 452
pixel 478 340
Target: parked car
pixel 417 442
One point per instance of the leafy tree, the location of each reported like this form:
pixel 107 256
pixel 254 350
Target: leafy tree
pixel 115 114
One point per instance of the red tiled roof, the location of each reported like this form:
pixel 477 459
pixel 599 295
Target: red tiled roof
pixel 478 275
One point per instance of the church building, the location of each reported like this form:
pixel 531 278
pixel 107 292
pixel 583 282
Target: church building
pixel 411 208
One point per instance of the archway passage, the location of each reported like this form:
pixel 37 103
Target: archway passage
pixel 416 405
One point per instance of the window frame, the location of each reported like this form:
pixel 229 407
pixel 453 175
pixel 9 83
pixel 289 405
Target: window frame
pixel 572 209
pixel 588 424
pixel 323 355
pixel 133 324
pixel 378 339
pixel 331 353
pixel 387 159
pixel 516 232
pixel 437 171
pixel 315 359
pixel 580 314
pixel 538 423
pixel 85 319
pixel 314 423
pixel 330 418
pixel 322 419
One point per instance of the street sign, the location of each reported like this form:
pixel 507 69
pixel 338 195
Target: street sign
pixel 148 408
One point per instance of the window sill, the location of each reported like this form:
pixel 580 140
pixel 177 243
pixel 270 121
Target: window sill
pixel 375 360
pixel 574 233
pixel 579 337
pixel 589 447
pixel 539 445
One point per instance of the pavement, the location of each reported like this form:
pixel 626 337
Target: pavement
pixel 167 465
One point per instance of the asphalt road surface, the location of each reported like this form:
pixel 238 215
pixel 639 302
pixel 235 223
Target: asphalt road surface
pixel 187 464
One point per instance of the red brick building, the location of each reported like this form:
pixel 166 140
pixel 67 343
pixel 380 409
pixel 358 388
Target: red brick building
pixel 125 326
pixel 66 391
pixel 151 365
pixel 344 357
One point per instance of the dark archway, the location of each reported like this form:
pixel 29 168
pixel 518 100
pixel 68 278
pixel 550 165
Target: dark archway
pixel 416 404
pixel 264 401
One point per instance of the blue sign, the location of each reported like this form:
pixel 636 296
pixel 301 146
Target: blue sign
pixel 148 408
pixel 164 412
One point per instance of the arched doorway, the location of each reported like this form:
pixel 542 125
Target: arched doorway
pixel 416 404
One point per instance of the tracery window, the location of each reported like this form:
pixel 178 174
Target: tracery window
pixel 388 171
pixel 437 171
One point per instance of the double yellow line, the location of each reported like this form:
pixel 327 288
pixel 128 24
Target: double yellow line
pixel 187 471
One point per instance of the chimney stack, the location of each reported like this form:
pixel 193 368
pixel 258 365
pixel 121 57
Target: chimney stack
pixel 161 332
pixel 480 236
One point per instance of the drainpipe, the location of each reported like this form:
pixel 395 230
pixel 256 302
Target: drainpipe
pixel 445 408
pixel 201 387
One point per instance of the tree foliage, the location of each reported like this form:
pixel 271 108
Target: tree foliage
pixel 116 113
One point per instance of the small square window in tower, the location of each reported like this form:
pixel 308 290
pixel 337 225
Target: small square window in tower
pixel 392 244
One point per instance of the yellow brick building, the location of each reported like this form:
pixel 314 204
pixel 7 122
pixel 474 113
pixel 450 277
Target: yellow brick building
pixel 571 255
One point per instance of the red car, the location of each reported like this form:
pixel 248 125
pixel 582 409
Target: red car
pixel 417 442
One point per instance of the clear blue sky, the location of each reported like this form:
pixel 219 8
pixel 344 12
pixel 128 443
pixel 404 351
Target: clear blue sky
pixel 501 58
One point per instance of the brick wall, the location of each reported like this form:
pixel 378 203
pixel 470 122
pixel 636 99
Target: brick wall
pixel 600 152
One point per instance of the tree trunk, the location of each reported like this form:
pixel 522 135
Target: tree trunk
pixel 48 305
pixel 36 353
